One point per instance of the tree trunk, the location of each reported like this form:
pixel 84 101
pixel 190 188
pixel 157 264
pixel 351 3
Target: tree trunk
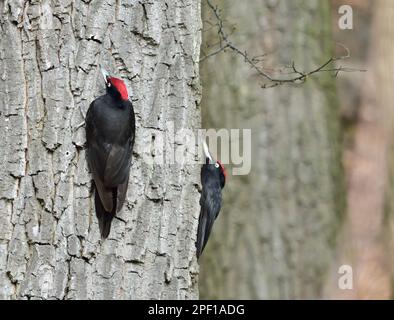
pixel 50 246
pixel 365 244
pixel 373 248
pixel 275 235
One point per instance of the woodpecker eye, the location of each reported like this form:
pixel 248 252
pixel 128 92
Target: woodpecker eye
pixel 217 165
pixel 108 84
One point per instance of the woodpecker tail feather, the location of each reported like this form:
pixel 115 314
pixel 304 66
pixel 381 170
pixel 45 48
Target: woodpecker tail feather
pixel 200 243
pixel 104 217
pixel 199 247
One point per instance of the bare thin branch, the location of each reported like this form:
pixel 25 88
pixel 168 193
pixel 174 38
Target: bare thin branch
pixel 299 76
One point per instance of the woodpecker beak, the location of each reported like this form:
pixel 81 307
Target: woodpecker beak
pixel 105 74
pixel 206 152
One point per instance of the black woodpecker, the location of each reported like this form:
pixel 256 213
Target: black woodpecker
pixel 213 179
pixel 110 134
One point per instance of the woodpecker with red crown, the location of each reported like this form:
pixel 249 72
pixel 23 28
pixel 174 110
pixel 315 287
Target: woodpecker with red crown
pixel 213 179
pixel 110 134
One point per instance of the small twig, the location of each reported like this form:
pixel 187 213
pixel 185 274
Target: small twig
pixel 213 53
pixel 300 77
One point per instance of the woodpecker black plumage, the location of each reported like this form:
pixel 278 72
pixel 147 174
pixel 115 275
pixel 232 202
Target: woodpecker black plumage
pixel 213 179
pixel 110 134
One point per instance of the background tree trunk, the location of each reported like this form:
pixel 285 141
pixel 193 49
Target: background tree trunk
pixel 49 237
pixel 369 164
pixel 371 175
pixel 275 235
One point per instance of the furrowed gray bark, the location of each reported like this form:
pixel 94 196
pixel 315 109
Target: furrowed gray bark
pixel 50 246
pixel 275 235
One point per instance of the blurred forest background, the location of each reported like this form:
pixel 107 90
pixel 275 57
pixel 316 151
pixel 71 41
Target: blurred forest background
pixel 319 195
